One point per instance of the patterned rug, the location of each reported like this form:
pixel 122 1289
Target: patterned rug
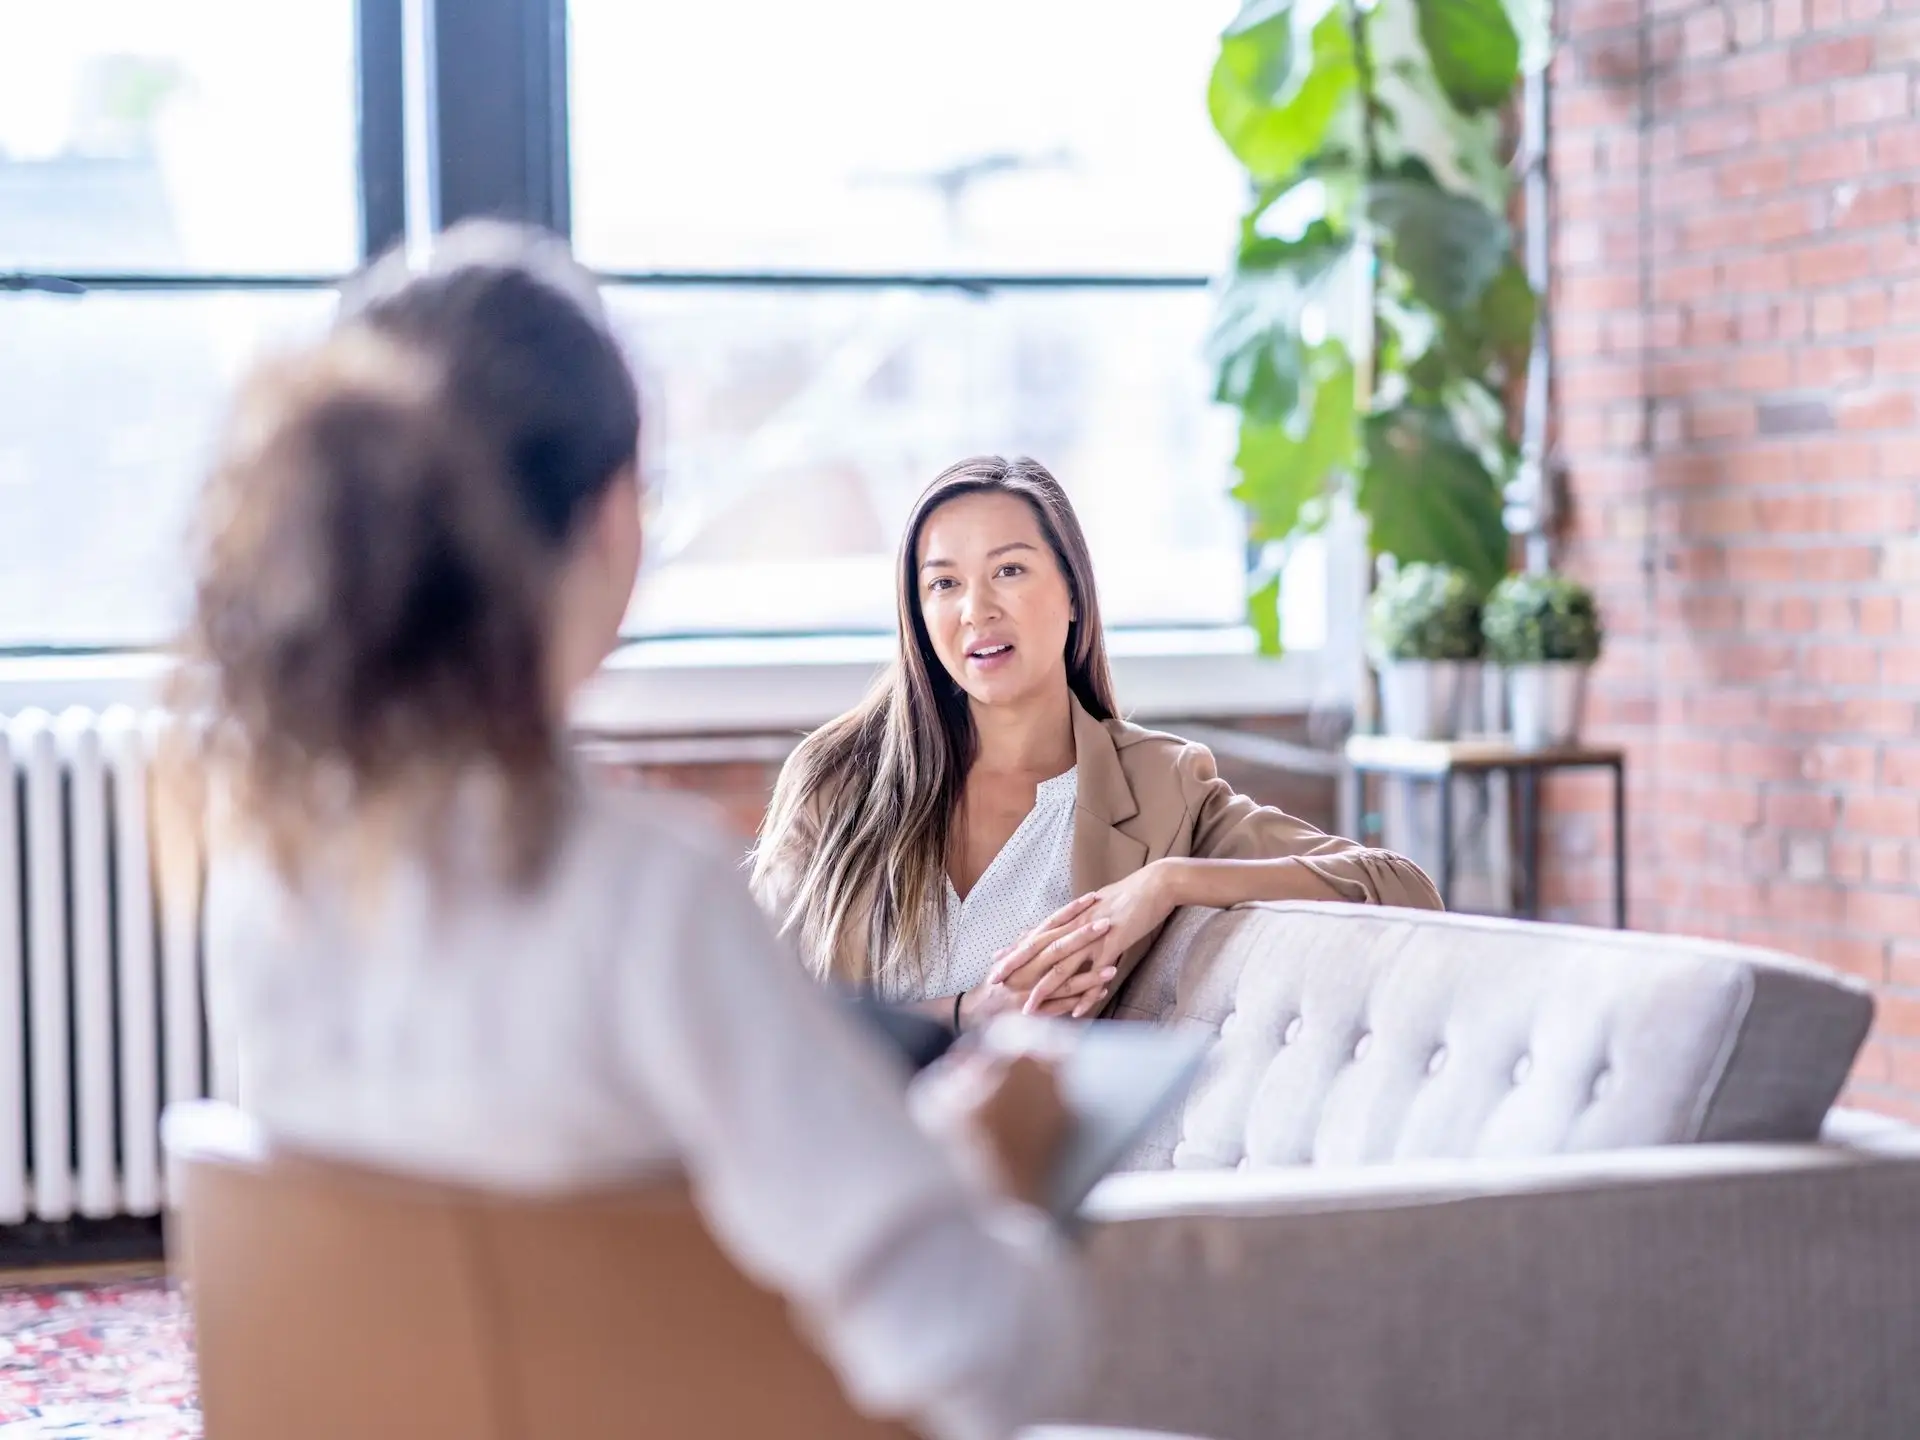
pixel 111 1360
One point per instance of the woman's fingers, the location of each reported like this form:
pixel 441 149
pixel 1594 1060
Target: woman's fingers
pixel 1033 957
pixel 1081 981
pixel 1050 984
pixel 1077 1007
pixel 1037 939
pixel 1068 911
pixel 1092 1004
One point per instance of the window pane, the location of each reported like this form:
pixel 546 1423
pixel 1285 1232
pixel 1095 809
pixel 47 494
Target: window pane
pixel 999 135
pixel 197 135
pixel 111 404
pixel 789 432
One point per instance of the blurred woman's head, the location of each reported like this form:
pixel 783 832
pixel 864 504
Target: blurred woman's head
pixel 997 607
pixel 419 539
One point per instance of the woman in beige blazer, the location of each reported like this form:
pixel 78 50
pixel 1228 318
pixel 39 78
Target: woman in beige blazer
pixel 984 833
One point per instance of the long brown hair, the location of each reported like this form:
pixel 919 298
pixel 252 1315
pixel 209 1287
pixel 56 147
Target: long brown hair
pixel 853 852
pixel 376 554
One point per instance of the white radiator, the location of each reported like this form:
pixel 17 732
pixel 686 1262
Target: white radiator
pixel 101 1000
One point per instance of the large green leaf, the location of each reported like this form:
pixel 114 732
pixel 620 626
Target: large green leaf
pixel 1508 308
pixel 1255 344
pixel 1263 614
pixel 1427 496
pixel 1488 343
pixel 1285 70
pixel 1474 50
pixel 1285 466
pixel 1449 245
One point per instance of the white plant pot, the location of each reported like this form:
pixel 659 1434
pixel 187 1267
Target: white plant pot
pixel 1545 703
pixel 1476 715
pixel 1420 699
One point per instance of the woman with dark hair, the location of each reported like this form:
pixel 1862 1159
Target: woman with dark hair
pixel 929 844
pixel 438 947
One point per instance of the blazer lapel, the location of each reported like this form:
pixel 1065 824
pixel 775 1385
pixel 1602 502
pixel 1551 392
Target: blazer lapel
pixel 1102 853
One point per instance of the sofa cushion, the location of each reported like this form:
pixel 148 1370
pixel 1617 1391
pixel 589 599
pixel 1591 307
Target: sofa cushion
pixel 1353 1034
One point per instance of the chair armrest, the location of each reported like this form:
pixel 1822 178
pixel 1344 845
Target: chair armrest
pixel 1690 1290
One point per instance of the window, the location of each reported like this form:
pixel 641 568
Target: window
pixel 195 161
pixel 781 197
pixel 1007 136
pixel 167 136
pixel 848 243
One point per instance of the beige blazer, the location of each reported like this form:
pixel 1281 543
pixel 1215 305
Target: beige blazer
pixel 1144 796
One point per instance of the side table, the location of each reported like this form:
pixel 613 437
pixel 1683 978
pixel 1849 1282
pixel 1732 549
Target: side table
pixel 1441 760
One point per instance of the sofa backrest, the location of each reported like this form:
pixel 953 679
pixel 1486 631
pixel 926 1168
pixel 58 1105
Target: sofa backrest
pixel 1352 1034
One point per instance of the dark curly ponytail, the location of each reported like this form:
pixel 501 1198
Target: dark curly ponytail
pixel 377 550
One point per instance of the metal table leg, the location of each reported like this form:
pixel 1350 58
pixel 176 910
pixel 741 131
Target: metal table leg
pixel 1530 842
pixel 1619 846
pixel 1446 838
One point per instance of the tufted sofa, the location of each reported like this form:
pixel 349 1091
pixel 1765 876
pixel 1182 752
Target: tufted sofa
pixel 1454 1177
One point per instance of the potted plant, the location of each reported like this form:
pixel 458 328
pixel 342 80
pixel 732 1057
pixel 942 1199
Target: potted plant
pixel 1423 635
pixel 1376 324
pixel 1545 632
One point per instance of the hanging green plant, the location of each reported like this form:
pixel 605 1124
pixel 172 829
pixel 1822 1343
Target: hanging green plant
pixel 1375 315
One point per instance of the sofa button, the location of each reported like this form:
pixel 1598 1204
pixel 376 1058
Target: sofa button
pixel 1522 1068
pixel 1242 1163
pixel 1363 1045
pixel 1602 1083
pixel 1292 1032
pixel 1437 1061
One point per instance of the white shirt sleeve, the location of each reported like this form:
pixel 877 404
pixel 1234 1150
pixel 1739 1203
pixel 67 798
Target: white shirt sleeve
pixel 932 1304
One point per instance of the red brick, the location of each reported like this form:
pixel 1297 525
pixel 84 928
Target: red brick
pixel 1840 764
pixel 1871 99
pixel 1900 768
pixel 1832 59
pixel 1876 614
pixel 1850 665
pixel 1897 1013
pixel 1881 410
pixel 1800 810
pixel 1900 665
pixel 1877 717
pixel 1832 264
pixel 1764 173
pixel 1848 157
pixel 1896 149
pixel 1893 816
pixel 1897 354
pixel 1795 115
pixel 1883 912
pixel 1874 205
pixel 1840 562
pixel 1760 760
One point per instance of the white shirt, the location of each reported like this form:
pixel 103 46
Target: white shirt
pixel 1029 879
pixel 633 1015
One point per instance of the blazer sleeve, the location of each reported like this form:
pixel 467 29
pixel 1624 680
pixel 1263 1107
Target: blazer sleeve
pixel 1227 825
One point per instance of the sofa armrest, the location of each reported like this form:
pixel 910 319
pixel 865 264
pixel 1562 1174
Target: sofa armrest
pixel 1677 1292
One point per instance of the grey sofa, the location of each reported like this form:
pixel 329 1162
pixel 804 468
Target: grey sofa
pixel 1452 1177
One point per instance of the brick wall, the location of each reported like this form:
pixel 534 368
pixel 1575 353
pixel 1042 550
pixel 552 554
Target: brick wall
pixel 1737 331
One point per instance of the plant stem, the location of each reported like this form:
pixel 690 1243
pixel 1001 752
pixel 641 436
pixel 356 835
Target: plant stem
pixel 1367 706
pixel 1370 151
